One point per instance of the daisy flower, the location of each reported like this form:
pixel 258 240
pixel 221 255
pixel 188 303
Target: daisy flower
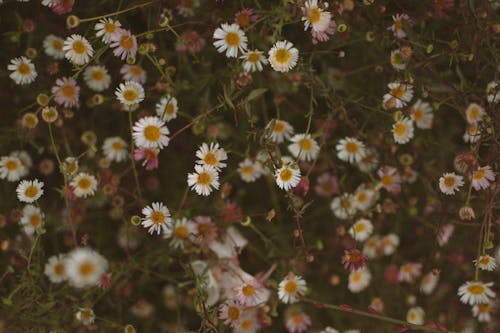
pixel 486 263
pixel 492 92
pixel 167 108
pixel 149 157
pixel 251 293
pixel 472 133
pixel 482 312
pixel 350 150
pixel 253 61
pixel 287 177
pixel 291 287
pixel 422 114
pixel 29 190
pixel 415 315
pixel 53 46
pixel 249 322
pixel 359 280
pixel 371 247
pixel 369 162
pixel 230 38
pixel 97 78
pixel 389 179
pixel 11 168
pixel 482 177
pixel 204 180
pixel 23 70
pixel 279 130
pixel 150 132
pixel 365 197
pixel 157 219
pixel 250 170
pixel 283 56
pixel 124 44
pixel 444 234
pixel 314 17
pixel 298 323
pixel 55 268
pixel 32 219
pixel 303 147
pixel 182 230
pixel 133 73
pixel 84 185
pixel 361 230
pixel 409 272
pixel 105 27
pixel 397 60
pixel 450 183
pixel 230 312
pixel 115 149
pixel 245 16
pixel 67 92
pixel 476 292
pixel 429 283
pixel 77 49
pixel 130 93
pixel 399 95
pixel 85 315
pixel 402 130
pixel 474 113
pixel 353 260
pixel 389 244
pixel 85 267
pixel 397 26
pixel 211 155
pixel 343 206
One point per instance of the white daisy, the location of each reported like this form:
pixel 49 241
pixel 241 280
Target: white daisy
pixel 359 280
pixel 85 315
pixel 343 206
pixel 11 168
pixel 283 56
pixel 371 247
pixel 482 177
pixel 415 315
pixel 85 267
pixel 389 244
pixel 476 292
pixel 53 46
pixel 279 130
pixel 422 114
pixel 157 219
pixel 150 132
pixel 105 27
pixel 78 49
pixel 32 219
pixel 84 185
pixel 133 73
pixel 115 149
pixel 249 322
pixel 29 190
pixel 183 230
pixel 397 60
pixel 130 93
pixel 361 229
pixel 291 287
pixel 23 70
pixel 486 263
pixel 211 155
pixel 97 78
pixel 399 95
pixel 403 130
pixel 315 17
pixel 204 180
pixel 474 113
pixel 251 292
pixel 167 108
pixel 450 183
pixel 429 282
pixel 253 61
pixel 304 147
pixel 250 170
pixel 492 92
pixel 472 133
pixel 369 162
pixel 408 272
pixel 287 177
pixel 55 268
pixel 365 197
pixel 350 150
pixel 482 312
pixel 230 38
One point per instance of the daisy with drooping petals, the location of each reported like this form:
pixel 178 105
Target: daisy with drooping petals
pixel 55 268
pixel 315 17
pixel 359 280
pixel 397 26
pixel 482 177
pixel 77 49
pixel 167 108
pixel 415 315
pixel 450 183
pixel 115 149
pixel 253 61
pixel 230 38
pixel 84 185
pixel 183 230
pixel 398 96
pixel 403 130
pixel 283 56
pixel 361 229
pixel 130 93
pixel 250 170
pixel 105 27
pixel 409 272
pixel 124 44
pixel 298 323
pixel 287 177
pixel 157 219
pixel 279 130
pixel 421 113
pixel 133 73
pixel 204 180
pixel 67 92
pixel 303 147
pixel 492 92
pixel 23 70
pixel 150 132
pixel 353 260
pixel 53 46
pixel 482 312
pixel 486 263
pixel 429 282
pixel 32 219
pixel 472 133
pixel 291 287
pixel 350 150
pixel 343 206
pixel 250 293
pixel 211 155
pixel 85 267
pixel 476 292
pixel 11 168
pixel 474 113
pixel 29 190
pixel 389 179
pixel 230 312
pixel 97 78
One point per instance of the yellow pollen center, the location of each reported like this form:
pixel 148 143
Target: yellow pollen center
pixel 127 42
pixel 298 319
pixel 286 175
pixel 484 260
pixel 12 165
pixel 130 95
pixel 169 109
pixel 449 181
pixel 233 313
pixel 278 127
pixel 31 191
pixel 204 178
pixel 359 227
pixel 109 27
pixel 248 169
pixel 474 113
pixel 386 180
pixel 57 45
pixel 291 287
pixel 248 290
pixel 356 277
pixel 84 183
pixel 23 69
pixel 86 268
pixel 314 15
pixel 136 70
pixel 79 47
pixel 253 57
pixel 210 159
pixel 232 39
pixel 418 115
pixel 59 269
pixel 181 232
pixel 68 91
pixel 243 20
pixel 478 174
pixel 305 144
pixel 361 197
pixel 246 324
pixel 152 133
pixel 398 92
pixel 117 146
pixel 483 308
pixel 35 220
pixel 282 56
pixel 476 289
pixel 400 129
pixel 157 217
pixel 98 75
pixel 398 25
pixel 352 147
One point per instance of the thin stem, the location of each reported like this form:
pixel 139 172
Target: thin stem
pixel 132 147
pixel 89 19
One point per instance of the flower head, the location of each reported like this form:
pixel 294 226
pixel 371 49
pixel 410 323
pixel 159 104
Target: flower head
pixel 231 39
pixel 283 56
pixel 291 287
pixel 77 49
pixel 157 219
pixel 23 70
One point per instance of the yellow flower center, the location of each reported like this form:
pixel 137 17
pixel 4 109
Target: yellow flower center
pixel 84 183
pixel 253 57
pixel 136 70
pixel 243 20
pixel 68 91
pixel 474 113
pixel 98 75
pixel 248 290
pixel 246 324
pixel 478 174
pixel 418 114
pixel 23 69
pixel 314 15
pixel 127 42
pixel 386 180
pixel 169 109
pixel 79 47
pixel 398 25
pixel 483 308
pixel 400 129
pixel 361 197
pixel 352 147
pixel 117 145
pixel 232 39
pixel 248 169
pixel 130 95
pixel 59 269
pixel 35 220
pixel 359 227
pixel 476 289
pixel 291 287
pixel 12 165
pixel 356 277
pixel 31 191
pixel 484 260
pixel 449 181
pixel 157 217
pixel 210 159
pixel 181 232
pixel 286 175
pixel 305 144
pixel 152 133
pixel 398 92
pixel 204 178
pixel 282 56
pixel 86 268
pixel 57 45
pixel 109 27
pixel 233 313
pixel 278 127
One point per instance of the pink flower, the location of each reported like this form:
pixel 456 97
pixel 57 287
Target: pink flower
pixel 206 228
pixel 353 260
pixel 323 36
pixel 62 6
pixel 231 212
pixel 326 185
pixel 302 187
pixel 409 272
pixel 391 274
pixel 390 179
pixel 250 293
pixel 149 155
pixel 66 92
pixel 298 323
pixel 444 234
pixel 190 41
pixel 245 16
pixel 124 44
pixel 230 312
pixel 481 178
pixel 133 73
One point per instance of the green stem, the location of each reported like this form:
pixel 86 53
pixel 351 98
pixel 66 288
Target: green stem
pixel 89 19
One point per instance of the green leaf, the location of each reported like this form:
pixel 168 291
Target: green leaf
pixel 256 93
